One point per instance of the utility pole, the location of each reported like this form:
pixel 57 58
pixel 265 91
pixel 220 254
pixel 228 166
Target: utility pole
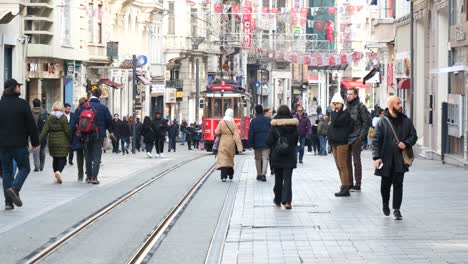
pixel 412 60
pixel 134 63
pixel 197 87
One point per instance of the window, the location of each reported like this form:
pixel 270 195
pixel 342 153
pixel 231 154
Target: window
pixel 66 23
pixel 218 107
pixel 90 23
pixel 171 20
pixel 193 22
pixel 100 24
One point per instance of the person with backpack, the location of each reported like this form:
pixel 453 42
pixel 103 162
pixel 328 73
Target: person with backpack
pixel 338 134
pixel 94 119
pixel 258 130
pixel 18 126
pixel 77 143
pixel 282 138
pixel 40 116
pixel 148 135
pixel 229 139
pixel 57 132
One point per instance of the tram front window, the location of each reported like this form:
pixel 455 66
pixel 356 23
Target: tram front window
pixel 227 103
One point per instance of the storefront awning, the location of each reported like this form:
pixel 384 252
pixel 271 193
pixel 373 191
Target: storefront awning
pixel 404 84
pixel 143 80
pixel 354 84
pixel 111 83
pixel 370 75
pixel 7 15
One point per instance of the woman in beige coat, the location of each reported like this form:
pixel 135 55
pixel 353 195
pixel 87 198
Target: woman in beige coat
pixel 229 140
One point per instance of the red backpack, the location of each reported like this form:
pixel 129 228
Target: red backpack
pixel 87 122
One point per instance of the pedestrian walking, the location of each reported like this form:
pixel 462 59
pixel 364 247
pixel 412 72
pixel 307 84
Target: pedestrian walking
pixel 159 127
pixel 258 131
pixel 394 135
pixel 57 132
pixel 197 135
pixel 40 116
pixel 322 131
pixel 183 131
pixel 138 130
pixel 17 127
pixel 360 127
pixel 229 140
pixel 101 120
pixel 70 118
pixel 314 139
pixel 116 123
pixel 338 136
pixel 77 143
pixel 304 130
pixel 148 135
pixel 268 112
pixel 190 133
pixel 282 138
pixel 172 134
pixel 124 133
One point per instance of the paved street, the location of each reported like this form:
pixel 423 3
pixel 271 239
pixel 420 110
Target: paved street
pixel 324 229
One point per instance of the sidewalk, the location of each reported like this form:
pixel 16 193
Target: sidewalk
pixel 40 194
pixel 324 229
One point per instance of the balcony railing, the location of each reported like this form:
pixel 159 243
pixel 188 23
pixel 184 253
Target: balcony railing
pixel 97 52
pixel 179 84
pixel 173 42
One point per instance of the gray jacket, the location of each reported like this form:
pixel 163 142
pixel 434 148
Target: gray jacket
pixel 360 117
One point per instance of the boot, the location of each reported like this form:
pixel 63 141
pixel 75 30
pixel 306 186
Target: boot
pixel 344 192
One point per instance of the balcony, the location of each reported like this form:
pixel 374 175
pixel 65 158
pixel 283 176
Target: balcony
pixel 178 84
pixel 173 43
pixel 97 53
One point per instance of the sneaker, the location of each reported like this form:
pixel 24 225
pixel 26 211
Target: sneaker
pixel 9 205
pixel 356 188
pixel 397 214
pixel 36 170
pixel 149 155
pixel 263 178
pixel 94 181
pixel 89 180
pixel 277 204
pixel 70 163
pixel 386 210
pixel 80 178
pixel 288 206
pixel 58 177
pixel 300 161
pixel 161 155
pixel 158 156
pixel 14 197
pixel 259 177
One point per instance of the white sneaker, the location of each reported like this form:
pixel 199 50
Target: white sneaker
pixel 58 178
pixel 161 156
pixel 158 156
pixel 148 155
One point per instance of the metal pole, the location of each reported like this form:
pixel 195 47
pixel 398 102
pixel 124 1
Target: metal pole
pixel 134 102
pixel 261 86
pixel 411 61
pixel 197 87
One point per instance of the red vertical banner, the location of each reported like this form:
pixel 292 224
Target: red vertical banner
pixel 235 9
pixel 247 27
pixel 218 8
pixel 304 12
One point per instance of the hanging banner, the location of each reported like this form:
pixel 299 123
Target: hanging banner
pixel 247 27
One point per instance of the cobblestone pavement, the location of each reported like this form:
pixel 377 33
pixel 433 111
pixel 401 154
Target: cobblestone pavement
pixel 324 229
pixel 41 195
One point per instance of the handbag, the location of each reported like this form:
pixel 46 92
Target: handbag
pixel 407 153
pixel 216 145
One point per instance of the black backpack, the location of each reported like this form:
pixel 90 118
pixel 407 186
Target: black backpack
pixel 281 146
pixel 41 119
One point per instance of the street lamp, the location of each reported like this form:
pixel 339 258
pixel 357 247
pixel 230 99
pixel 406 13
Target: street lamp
pixel 196 41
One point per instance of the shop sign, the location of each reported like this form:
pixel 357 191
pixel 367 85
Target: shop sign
pixel 313 77
pixel 158 89
pixel 171 95
pixel 402 67
pixel 70 69
pixel 458 35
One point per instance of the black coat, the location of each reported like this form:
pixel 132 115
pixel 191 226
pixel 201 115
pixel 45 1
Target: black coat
pixel 287 127
pixel 138 129
pixel 384 145
pixel 159 127
pixel 148 133
pixel 360 117
pixel 124 129
pixel 339 128
pixel 190 132
pixel 17 123
pixel 173 131
pixel 116 127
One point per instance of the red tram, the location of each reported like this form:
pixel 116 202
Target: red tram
pixel 219 96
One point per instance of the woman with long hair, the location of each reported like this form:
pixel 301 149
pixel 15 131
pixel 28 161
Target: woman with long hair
pixel 148 135
pixel 229 139
pixel 57 132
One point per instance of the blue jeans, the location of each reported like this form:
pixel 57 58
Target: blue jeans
pixel 323 145
pixel 301 146
pixel 21 156
pixel 183 138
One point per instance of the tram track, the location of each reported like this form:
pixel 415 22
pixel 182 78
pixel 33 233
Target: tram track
pixel 51 247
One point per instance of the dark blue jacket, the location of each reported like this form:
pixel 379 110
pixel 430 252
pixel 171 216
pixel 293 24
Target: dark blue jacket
pixel 76 142
pixel 258 131
pixel 104 118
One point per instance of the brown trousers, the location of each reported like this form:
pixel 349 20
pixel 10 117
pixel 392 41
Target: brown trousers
pixel 340 153
pixel 354 157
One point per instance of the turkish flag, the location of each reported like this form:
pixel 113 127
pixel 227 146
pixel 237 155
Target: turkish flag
pixel 265 9
pixel 331 11
pixel 331 59
pixel 235 9
pixel 306 60
pixel 218 8
pixel 344 59
pixel 274 10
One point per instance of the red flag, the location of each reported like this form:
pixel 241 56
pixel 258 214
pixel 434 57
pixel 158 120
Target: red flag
pixel 306 60
pixel 344 59
pixel 218 8
pixel 331 59
pixel 235 9
pixel 274 10
pixel 265 9
pixel 331 11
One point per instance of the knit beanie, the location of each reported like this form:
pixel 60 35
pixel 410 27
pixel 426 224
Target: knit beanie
pixel 337 99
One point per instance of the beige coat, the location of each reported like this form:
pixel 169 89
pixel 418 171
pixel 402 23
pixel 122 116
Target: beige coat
pixel 227 144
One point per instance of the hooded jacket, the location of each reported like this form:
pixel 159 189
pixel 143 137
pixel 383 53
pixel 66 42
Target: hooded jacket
pixel 284 126
pixel 57 130
pixel 340 128
pixel 258 131
pixel 384 145
pixel 17 123
pixel 360 120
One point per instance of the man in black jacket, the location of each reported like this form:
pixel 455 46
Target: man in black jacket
pixel 160 128
pixel 387 153
pixel 116 123
pixel 17 125
pixel 360 127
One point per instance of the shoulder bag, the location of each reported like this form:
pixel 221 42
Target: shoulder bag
pixel 408 154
